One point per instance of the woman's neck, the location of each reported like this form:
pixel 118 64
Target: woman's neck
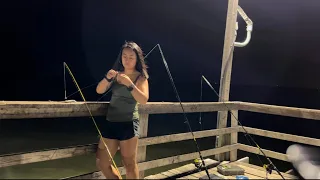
pixel 129 71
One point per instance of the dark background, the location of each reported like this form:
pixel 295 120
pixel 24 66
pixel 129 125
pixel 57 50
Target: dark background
pixel 279 66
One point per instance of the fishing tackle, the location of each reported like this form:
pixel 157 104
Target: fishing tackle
pixel 268 167
pixel 83 98
pixel 184 114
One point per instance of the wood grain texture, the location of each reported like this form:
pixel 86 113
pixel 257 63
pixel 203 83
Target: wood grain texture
pixel 15 159
pixel 56 109
pixel 282 136
pixel 164 161
pixel 31 157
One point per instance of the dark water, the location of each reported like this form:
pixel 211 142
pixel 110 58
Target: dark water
pixel 37 134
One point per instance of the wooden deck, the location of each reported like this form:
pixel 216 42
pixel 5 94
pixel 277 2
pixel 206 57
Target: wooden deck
pixel 251 171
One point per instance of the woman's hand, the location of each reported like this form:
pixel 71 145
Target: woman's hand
pixel 111 74
pixel 124 79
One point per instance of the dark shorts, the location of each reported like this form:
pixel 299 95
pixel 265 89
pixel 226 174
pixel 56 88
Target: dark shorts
pixel 120 130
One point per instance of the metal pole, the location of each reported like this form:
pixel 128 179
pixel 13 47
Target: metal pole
pixel 225 77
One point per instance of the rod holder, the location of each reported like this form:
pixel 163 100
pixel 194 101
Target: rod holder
pixel 249 28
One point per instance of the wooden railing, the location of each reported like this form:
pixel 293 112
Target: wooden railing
pixel 20 110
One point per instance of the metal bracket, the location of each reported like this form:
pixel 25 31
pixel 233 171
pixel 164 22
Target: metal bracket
pixel 249 28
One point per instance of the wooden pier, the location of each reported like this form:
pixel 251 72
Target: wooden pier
pixel 24 110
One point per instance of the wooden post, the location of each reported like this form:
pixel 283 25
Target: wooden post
pixel 234 136
pixel 142 150
pixel 225 78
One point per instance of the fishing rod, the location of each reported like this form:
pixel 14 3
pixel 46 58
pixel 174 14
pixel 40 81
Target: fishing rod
pixel 96 126
pixel 267 167
pixel 184 114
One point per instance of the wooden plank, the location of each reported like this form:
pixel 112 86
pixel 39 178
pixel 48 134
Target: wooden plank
pixel 268 153
pixel 142 150
pixel 286 175
pixel 169 160
pixel 31 157
pixel 312 114
pixel 203 173
pixel 157 176
pixel 189 107
pixel 188 168
pixel 226 68
pixel 55 109
pixel 282 136
pixel 261 172
pixel 234 136
pixel 14 159
pixel 251 171
pixel 186 136
pixel 51 109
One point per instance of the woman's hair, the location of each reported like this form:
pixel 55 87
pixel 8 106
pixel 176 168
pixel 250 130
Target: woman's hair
pixel 140 64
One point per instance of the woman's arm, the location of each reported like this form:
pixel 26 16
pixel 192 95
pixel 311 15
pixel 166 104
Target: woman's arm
pixel 140 91
pixel 103 86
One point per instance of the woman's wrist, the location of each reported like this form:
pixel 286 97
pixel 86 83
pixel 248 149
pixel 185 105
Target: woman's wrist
pixel 108 79
pixel 131 87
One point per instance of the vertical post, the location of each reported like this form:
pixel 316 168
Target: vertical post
pixel 142 150
pixel 234 136
pixel 225 78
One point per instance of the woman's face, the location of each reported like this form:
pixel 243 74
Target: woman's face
pixel 129 59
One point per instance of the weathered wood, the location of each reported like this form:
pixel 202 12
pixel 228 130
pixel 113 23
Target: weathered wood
pixel 25 158
pixel 226 68
pixel 189 107
pixel 285 175
pixel 281 110
pixel 203 173
pixel 251 171
pixel 142 150
pixel 186 136
pixel 165 161
pixel 14 159
pixel 234 136
pixel 282 136
pixel 49 109
pixel 58 109
pixel 182 171
pixel 268 153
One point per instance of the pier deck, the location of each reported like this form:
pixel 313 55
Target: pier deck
pixel 251 171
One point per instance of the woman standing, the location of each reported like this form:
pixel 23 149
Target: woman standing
pixel 128 81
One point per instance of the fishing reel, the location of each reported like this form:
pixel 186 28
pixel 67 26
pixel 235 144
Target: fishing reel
pixel 197 162
pixel 269 168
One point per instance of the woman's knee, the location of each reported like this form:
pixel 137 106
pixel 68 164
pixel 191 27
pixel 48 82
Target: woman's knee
pixel 129 163
pixel 101 160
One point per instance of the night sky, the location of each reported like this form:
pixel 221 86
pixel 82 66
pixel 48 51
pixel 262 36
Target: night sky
pixel 279 66
pixel 38 36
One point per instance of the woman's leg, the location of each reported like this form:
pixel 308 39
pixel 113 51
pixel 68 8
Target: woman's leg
pixel 128 149
pixel 103 160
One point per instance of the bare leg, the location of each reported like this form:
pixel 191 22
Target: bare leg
pixel 128 149
pixel 103 160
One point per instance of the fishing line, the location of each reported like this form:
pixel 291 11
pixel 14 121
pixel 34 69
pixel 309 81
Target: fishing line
pixel 200 115
pixel 267 167
pixel 184 114
pixel 83 98
pixel 65 87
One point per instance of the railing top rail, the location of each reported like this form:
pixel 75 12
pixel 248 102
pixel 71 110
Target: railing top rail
pixel 49 109
pixel 305 113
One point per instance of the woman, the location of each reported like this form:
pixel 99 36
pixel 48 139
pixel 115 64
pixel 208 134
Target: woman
pixel 129 85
